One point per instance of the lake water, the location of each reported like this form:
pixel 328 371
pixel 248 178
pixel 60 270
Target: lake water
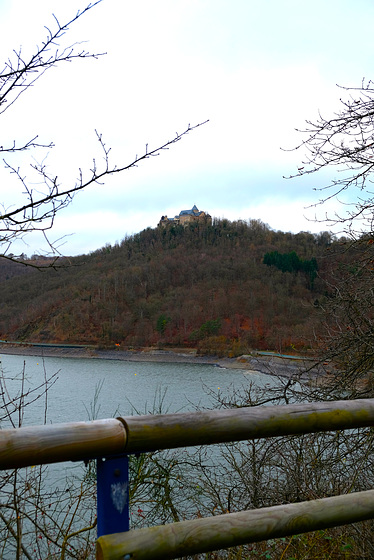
pixel 125 387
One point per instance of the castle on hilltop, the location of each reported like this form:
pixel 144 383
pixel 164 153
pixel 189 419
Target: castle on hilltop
pixel 186 217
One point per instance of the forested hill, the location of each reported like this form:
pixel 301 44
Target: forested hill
pixel 224 288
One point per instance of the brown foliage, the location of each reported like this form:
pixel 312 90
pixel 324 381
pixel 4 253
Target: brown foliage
pixel 189 275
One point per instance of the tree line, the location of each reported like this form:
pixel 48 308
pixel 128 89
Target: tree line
pixel 209 286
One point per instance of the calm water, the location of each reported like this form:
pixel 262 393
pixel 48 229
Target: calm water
pixel 125 387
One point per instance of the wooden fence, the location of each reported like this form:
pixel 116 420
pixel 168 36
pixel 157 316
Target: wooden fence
pixel 112 439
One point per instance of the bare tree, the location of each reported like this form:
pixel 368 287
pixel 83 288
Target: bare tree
pixel 345 141
pixel 41 203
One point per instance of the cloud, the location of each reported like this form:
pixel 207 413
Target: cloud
pixel 256 70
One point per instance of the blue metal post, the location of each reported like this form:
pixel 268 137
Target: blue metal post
pixel 112 495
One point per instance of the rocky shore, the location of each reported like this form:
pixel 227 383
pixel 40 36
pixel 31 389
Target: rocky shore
pixel 271 364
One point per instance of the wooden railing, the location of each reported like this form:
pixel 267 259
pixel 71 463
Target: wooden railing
pixel 111 440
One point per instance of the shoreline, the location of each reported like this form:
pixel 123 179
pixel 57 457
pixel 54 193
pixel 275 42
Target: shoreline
pixel 145 355
pixel 270 365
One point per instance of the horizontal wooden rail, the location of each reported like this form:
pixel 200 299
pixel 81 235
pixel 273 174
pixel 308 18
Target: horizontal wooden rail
pixel 224 531
pixel 53 443
pixel 168 431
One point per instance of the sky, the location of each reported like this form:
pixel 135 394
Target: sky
pixel 256 70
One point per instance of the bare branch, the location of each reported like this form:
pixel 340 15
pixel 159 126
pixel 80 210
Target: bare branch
pixel 345 141
pixel 18 74
pixel 44 198
pixel 39 212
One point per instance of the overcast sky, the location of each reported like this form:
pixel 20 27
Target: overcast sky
pixel 256 70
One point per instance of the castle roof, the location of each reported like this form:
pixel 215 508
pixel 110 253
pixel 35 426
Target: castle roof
pixel 195 211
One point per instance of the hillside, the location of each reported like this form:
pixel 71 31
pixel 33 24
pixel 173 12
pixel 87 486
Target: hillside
pixel 203 285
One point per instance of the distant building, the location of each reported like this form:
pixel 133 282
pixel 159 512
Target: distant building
pixel 186 217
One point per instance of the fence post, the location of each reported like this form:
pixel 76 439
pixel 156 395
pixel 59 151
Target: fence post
pixel 112 495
